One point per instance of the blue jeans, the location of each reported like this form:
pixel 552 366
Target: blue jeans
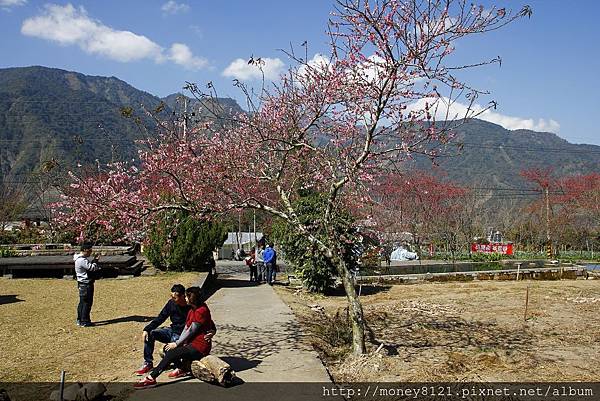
pixel 164 335
pixel 271 270
pixel 86 300
pixel 262 271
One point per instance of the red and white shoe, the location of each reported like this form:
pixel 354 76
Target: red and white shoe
pixel 146 367
pixel 146 382
pixel 177 373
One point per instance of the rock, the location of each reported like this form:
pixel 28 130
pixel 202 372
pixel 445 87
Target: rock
pixel 69 394
pixel 91 392
pixel 4 395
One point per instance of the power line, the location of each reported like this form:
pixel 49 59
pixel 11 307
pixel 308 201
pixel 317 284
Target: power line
pixel 75 140
pixel 575 151
pixel 530 149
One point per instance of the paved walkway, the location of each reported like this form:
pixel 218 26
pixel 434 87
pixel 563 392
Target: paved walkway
pixel 260 338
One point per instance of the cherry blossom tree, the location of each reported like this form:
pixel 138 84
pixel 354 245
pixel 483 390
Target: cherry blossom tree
pixel 331 124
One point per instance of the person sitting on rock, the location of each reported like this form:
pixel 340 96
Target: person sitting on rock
pixel 176 309
pixel 193 344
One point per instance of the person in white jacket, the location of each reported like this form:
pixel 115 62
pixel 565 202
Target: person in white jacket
pixel 85 283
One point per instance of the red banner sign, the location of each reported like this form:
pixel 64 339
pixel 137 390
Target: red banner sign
pixel 504 249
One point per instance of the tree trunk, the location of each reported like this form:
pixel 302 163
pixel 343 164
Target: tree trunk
pixel 213 369
pixel 355 308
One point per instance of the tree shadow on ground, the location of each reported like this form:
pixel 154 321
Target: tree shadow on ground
pixel 9 299
pixel 364 289
pixel 240 364
pixel 258 343
pixel 125 319
pixel 246 346
pixel 415 331
pixel 222 281
pixel 234 283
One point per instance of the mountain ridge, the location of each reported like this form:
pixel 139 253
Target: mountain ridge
pixel 54 114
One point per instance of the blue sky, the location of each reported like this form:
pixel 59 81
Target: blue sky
pixel 548 80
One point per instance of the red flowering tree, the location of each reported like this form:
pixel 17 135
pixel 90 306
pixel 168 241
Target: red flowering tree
pixel 580 207
pixel 582 193
pixel 421 204
pixel 331 125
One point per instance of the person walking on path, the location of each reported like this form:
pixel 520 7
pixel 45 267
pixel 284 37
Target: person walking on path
pixel 85 283
pixel 270 260
pixel 176 309
pixel 260 264
pixel 251 263
pixel 193 344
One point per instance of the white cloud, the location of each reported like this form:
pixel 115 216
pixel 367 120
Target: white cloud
pixel 12 3
pixel 318 62
pixel 513 123
pixel 240 69
pixel 182 55
pixel 172 7
pixel 372 69
pixel 68 25
pixel 459 110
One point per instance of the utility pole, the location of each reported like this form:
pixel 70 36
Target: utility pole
pixel 239 229
pixel 185 116
pixel 548 243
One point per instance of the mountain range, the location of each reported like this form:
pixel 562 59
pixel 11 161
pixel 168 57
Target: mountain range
pixel 51 117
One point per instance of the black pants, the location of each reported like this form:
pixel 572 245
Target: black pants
pixel 253 272
pixel 86 300
pixel 176 356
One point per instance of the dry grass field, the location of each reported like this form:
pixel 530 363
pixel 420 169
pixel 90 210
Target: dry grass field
pixel 473 331
pixel 39 338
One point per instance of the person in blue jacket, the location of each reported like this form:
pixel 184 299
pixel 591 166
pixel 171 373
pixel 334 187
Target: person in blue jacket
pixel 270 260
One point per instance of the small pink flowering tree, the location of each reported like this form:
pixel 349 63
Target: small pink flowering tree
pixel 331 124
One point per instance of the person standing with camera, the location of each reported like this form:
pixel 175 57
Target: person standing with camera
pixel 85 283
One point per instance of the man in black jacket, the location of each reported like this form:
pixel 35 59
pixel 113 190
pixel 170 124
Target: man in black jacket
pixel 175 309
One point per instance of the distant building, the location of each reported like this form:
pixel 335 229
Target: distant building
pixel 235 241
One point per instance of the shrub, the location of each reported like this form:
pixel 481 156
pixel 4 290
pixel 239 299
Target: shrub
pixel 487 257
pixel 180 242
pixel 316 270
pixel 194 244
pixel 7 253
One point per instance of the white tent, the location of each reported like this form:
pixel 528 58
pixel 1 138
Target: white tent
pixel 235 240
pixel 403 254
